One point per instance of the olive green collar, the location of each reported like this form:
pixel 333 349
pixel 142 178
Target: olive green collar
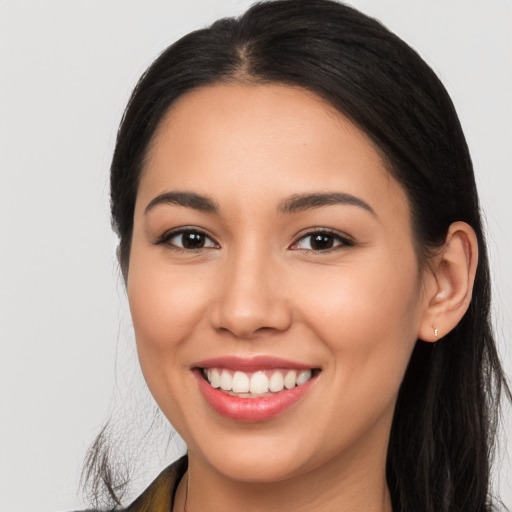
pixel 159 496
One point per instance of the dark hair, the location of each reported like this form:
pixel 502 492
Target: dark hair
pixel 446 415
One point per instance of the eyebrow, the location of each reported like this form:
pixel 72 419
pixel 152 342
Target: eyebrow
pixel 301 202
pixel 293 204
pixel 187 199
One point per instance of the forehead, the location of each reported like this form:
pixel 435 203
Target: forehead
pixel 264 141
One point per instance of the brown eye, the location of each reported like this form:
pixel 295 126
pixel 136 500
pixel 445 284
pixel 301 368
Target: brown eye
pixel 322 241
pixel 188 239
pixel 192 240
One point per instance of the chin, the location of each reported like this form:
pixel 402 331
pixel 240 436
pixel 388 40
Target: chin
pixel 258 466
pixel 259 454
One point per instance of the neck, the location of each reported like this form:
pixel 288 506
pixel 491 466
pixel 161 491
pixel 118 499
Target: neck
pixel 341 486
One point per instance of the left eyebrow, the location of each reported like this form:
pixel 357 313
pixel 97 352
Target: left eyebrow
pixel 186 199
pixel 301 202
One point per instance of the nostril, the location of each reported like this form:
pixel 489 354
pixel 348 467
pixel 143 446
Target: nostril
pixel 260 317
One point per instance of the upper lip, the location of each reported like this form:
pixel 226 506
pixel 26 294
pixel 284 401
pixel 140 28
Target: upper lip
pixel 250 364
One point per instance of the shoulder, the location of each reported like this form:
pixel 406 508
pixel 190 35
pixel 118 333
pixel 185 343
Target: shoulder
pixel 159 496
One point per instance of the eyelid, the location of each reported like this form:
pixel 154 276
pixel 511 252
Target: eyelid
pixel 346 240
pixel 168 235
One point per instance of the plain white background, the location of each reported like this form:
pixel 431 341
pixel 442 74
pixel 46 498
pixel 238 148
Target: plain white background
pixel 66 70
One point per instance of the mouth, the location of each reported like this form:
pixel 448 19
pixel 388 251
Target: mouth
pixel 253 390
pixel 265 382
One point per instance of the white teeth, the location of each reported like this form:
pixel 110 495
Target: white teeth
pixel 259 383
pixel 214 377
pixel 226 381
pixel 276 382
pixel 240 382
pixel 303 377
pixel 290 379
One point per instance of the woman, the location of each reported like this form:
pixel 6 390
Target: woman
pixel 303 254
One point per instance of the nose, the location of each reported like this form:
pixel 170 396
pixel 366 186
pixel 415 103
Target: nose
pixel 252 298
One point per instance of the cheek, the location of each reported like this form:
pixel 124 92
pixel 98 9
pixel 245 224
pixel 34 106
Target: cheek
pixel 369 321
pixel 165 305
pixel 166 308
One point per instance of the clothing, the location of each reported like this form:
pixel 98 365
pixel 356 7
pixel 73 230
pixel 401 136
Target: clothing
pixel 159 496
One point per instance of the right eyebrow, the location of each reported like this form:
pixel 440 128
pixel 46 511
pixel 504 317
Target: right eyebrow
pixel 187 199
pixel 302 202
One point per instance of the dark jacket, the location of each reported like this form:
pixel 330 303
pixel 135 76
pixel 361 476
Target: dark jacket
pixel 159 496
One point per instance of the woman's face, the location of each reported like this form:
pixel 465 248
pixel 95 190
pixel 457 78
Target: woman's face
pixel 270 239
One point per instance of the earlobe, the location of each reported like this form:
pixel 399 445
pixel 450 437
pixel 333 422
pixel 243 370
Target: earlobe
pixel 450 288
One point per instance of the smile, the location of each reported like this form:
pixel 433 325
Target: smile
pixel 255 384
pixel 253 390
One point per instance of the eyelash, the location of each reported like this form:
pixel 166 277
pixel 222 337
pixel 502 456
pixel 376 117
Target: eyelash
pixel 343 242
pixel 166 238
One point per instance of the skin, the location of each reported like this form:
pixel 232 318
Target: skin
pixel 355 311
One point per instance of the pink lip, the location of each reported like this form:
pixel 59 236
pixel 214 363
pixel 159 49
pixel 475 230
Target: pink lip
pixel 252 364
pixel 251 410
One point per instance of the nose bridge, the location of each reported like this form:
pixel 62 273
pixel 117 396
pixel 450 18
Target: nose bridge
pixel 250 299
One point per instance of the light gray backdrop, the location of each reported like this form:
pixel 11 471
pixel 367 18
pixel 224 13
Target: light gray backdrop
pixel 66 70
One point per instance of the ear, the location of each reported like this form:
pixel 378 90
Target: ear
pixel 448 282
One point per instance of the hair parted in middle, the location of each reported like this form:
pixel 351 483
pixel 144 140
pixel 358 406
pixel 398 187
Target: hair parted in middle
pixel 445 417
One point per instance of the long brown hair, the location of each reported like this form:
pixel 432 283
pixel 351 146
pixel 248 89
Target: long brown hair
pixel 445 420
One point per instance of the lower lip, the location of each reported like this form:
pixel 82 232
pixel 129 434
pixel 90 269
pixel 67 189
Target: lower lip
pixel 251 409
